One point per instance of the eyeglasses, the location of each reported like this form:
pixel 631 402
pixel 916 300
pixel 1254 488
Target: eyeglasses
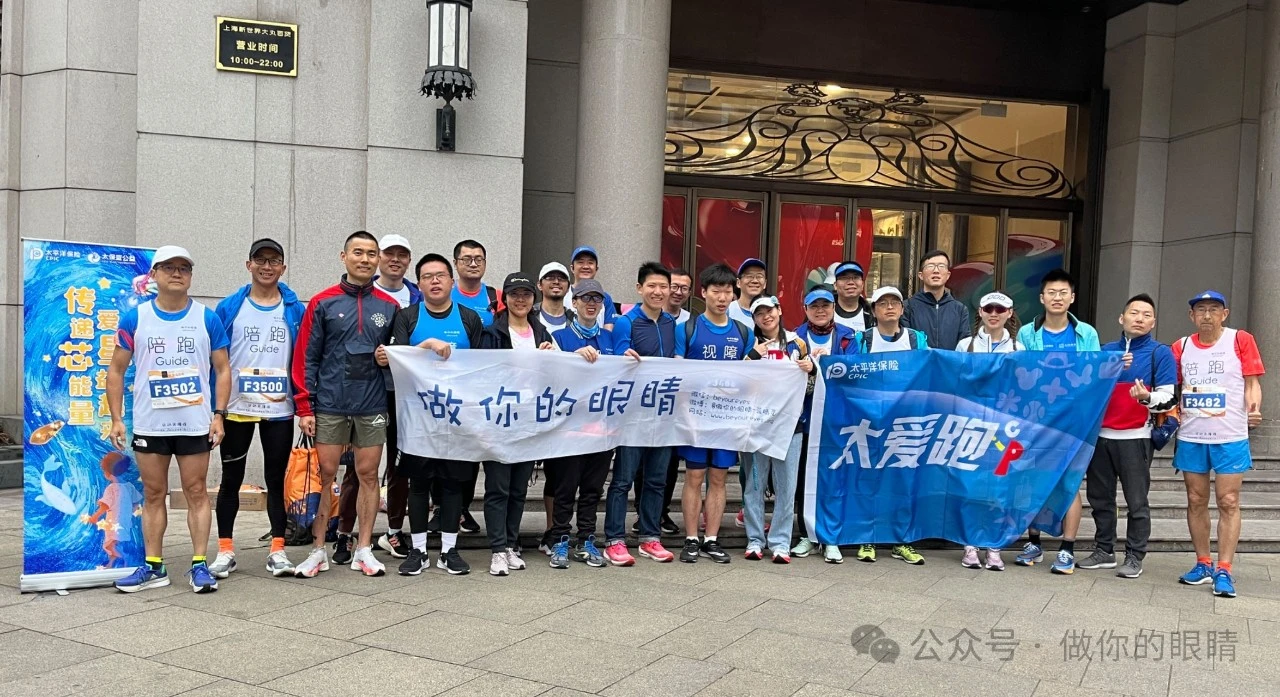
pixel 888 303
pixel 934 267
pixel 437 276
pixel 1057 294
pixel 679 289
pixel 1206 311
pixel 272 262
pixel 173 269
pixel 753 277
pixel 590 299
pixel 995 310
pixel 469 261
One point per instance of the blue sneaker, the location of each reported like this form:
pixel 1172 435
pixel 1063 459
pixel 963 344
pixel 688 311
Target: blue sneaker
pixel 142 578
pixel 1200 573
pixel 1223 586
pixel 201 579
pixel 1065 564
pixel 1031 554
pixel 560 554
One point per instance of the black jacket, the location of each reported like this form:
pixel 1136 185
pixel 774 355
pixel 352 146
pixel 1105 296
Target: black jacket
pixel 498 334
pixel 945 322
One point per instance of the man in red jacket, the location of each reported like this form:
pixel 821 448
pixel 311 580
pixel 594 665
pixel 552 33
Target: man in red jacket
pixel 340 393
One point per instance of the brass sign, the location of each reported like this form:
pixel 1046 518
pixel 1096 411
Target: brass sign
pixel 251 46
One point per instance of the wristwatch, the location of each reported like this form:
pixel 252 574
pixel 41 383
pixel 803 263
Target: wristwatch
pixel 220 412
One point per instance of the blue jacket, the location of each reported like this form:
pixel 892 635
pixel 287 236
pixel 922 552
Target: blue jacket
pixel 634 330
pixel 1154 365
pixel 1032 335
pixel 945 322
pixel 415 293
pixel 293 309
pixel 843 342
pixel 862 340
pixel 568 339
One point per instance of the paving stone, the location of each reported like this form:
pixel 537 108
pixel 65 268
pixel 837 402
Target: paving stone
pixel 920 643
pixel 978 590
pixel 364 621
pixel 1112 587
pixel 1240 606
pixel 444 636
pixel 1139 678
pixel 1038 661
pixel 793 589
pixel 490 684
pixel 976 617
pixel 836 626
pixel 511 605
pixel 747 683
pixel 698 638
pixel 49 612
pixel 231 688
pixel 720 605
pixel 149 633
pixel 1048 688
pixel 255 655
pixel 669 675
pixel 828 663
pixel 115 674
pixel 29 653
pixel 1244 661
pixel 426 677
pixel 891 602
pixel 1264 632
pixel 671 572
pixel 1193 682
pixel 816 690
pixel 626 589
pixel 245 597
pixel 318 610
pixel 1181 597
pixel 1100 613
pixel 543 658
pixel 908 678
pixel 430 587
pixel 631 626
pixel 1204 622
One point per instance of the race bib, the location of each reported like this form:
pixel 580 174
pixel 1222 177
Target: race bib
pixel 170 389
pixel 1205 403
pixel 263 385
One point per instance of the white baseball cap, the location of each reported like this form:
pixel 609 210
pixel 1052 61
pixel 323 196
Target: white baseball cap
pixel 885 291
pixel 996 298
pixel 169 252
pixel 554 266
pixel 763 301
pixel 389 241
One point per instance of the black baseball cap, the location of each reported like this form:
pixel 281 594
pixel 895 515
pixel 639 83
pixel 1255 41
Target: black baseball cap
pixel 265 243
pixel 516 280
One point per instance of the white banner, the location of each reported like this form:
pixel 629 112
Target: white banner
pixel 513 406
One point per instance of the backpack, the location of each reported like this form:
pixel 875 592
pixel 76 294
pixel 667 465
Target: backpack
pixel 493 297
pixel 864 339
pixel 690 327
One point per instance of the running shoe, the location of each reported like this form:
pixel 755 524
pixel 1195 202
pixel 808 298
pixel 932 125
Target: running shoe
pixel 1098 559
pixel 618 555
pixel 433 525
pixel 202 581
pixel 994 562
pixel 223 564
pixel 498 564
pixel 142 578
pixel 804 548
pixel 366 563
pixel 1031 555
pixel 514 562
pixel 1065 563
pixel 560 554
pixel 342 550
pixel 588 554
pixel 279 565
pixel 1223 586
pixel 865 553
pixel 754 553
pixel 908 554
pixel 396 544
pixel 415 562
pixel 315 562
pixel 453 562
pixel 739 520
pixel 655 551
pixel 712 550
pixel 831 554
pixel 1131 568
pixel 1199 574
pixel 970 559
pixel 669 526
pixel 544 548
pixel 689 554
pixel 780 556
pixel 468 523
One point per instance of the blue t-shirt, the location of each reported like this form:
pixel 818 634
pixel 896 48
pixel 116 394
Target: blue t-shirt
pixel 450 329
pixel 712 343
pixel 1064 340
pixel 479 302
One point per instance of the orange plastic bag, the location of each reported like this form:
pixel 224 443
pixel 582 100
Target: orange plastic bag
pixel 302 484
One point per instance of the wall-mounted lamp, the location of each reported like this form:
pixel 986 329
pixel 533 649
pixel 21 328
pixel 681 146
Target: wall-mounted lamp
pixel 448 73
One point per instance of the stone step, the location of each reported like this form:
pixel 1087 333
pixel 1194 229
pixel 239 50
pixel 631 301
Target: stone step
pixel 11 472
pixel 1166 479
pixel 1254 505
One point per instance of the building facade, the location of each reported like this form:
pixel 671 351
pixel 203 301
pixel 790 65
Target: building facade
pixel 1132 143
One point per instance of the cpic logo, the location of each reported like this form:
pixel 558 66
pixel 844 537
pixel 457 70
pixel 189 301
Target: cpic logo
pixel 835 371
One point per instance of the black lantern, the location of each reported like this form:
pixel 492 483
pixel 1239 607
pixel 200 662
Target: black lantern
pixel 448 73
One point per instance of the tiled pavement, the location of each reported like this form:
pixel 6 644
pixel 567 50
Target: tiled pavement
pixel 746 628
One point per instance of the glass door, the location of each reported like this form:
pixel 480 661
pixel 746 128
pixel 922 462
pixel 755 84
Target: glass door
pixel 729 227
pixel 888 242
pixel 810 235
pixel 1035 244
pixel 970 236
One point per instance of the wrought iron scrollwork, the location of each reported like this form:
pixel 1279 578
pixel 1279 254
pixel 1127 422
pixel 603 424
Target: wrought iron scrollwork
pixel 854 140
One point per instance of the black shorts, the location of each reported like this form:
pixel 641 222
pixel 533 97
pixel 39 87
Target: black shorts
pixel 171 445
pixel 418 467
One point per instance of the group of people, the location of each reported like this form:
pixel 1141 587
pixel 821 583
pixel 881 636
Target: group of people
pixel 204 378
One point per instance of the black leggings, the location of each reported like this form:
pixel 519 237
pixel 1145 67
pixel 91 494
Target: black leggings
pixel 441 479
pixel 801 476
pixel 277 442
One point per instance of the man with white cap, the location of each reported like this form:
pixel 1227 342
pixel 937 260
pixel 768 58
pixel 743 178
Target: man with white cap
pixel 889 335
pixel 852 310
pixel 752 282
pixel 553 284
pixel 394 258
pixel 171 342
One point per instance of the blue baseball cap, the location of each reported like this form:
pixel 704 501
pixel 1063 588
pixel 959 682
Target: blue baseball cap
pixel 818 294
pixel 584 250
pixel 1210 295
pixel 749 263
pixel 849 266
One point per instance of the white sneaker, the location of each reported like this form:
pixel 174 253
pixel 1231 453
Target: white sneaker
pixel 315 562
pixel 498 565
pixel 279 565
pixel 831 554
pixel 366 563
pixel 223 565
pixel 514 562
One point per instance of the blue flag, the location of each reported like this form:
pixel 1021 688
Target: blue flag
pixel 972 448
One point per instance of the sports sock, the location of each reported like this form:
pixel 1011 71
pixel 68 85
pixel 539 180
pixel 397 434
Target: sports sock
pixel 226 545
pixel 420 541
pixel 277 544
pixel 447 541
pixel 1068 546
pixel 198 560
pixel 156 563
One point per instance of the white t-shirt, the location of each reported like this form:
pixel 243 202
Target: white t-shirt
pixel 982 343
pixel 522 341
pixel 741 315
pixel 402 296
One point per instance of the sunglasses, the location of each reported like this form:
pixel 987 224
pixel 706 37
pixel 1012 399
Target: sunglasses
pixel 995 309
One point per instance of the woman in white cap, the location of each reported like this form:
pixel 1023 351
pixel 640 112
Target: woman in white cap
pixel 995 330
